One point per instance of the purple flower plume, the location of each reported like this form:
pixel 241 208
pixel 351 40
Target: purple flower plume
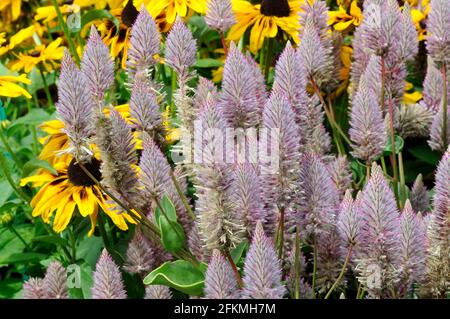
pixel 219 15
pixel 438 37
pixel 349 222
pixel 108 282
pixel 379 249
pixel 238 99
pixel 339 169
pixel 74 107
pixel 55 282
pixel 181 49
pixel 140 255
pixel 204 89
pixel 418 196
pixel 433 88
pixel 367 130
pixel 262 269
pixel 144 44
pixel 157 292
pixel 220 281
pixel 436 140
pixel 33 288
pixel 413 246
pixel 97 66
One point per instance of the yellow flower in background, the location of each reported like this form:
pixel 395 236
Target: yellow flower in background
pixel 173 134
pixel 172 8
pixel 341 20
pixel 265 20
pixel 68 189
pixel 46 55
pixel 12 7
pixel 419 14
pixel 411 96
pixel 344 74
pixel 16 39
pixel 10 88
pixel 48 13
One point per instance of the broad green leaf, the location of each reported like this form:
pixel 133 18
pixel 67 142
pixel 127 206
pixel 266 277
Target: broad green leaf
pixel 172 234
pixel 51 239
pixel 34 117
pixel 9 287
pixel 238 251
pixel 34 164
pixel 97 14
pixel 180 275
pixel 10 244
pixel 6 191
pixel 208 63
pixel 425 154
pixel 398 145
pixel 22 258
pixel 169 208
pixel 86 280
pixel 89 249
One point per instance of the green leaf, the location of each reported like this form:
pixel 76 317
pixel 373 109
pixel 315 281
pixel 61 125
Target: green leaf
pixel 238 251
pixel 169 208
pixel 22 258
pixel 425 154
pixel 208 63
pixel 86 280
pixel 51 239
pixel 6 191
pixel 9 287
pixel 35 164
pixel 34 117
pixel 96 14
pixel 398 145
pixel 89 249
pixel 172 234
pixel 10 244
pixel 180 275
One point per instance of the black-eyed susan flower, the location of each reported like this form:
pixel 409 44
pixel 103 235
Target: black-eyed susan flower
pixel 173 8
pixel 69 190
pixel 22 35
pixel 45 55
pixel 9 86
pixel 342 19
pixel 11 9
pixel 265 20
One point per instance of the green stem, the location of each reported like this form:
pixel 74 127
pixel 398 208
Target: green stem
pixel 182 196
pixel 46 89
pixel 367 171
pixel 11 227
pixel 383 165
pixel 33 131
pixel 173 89
pixel 268 57
pixel 341 274
pixel 234 267
pixel 402 181
pixel 10 180
pixel 63 24
pixel 73 246
pixel 393 156
pixel 224 43
pixel 281 234
pixel 101 227
pixel 297 264
pixel 313 285
pixel 444 107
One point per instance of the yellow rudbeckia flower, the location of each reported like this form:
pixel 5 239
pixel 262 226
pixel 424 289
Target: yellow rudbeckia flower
pixel 265 20
pixel 411 96
pixel 13 6
pixel 41 54
pixel 16 39
pixel 172 8
pixel 10 88
pixel 341 20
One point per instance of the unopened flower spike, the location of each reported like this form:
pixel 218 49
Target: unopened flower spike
pixel 55 282
pixel 220 281
pixel 108 282
pixel 219 15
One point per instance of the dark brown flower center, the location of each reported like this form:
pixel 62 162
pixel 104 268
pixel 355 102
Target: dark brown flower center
pixel 275 8
pixel 79 178
pixel 129 14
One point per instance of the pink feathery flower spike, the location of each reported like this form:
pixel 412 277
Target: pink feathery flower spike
pixel 220 281
pixel 108 282
pixel 219 15
pixel 55 282
pixel 140 256
pixel 262 269
pixel 33 288
pixel 379 236
pixel 433 87
pixel 238 99
pixel 339 169
pixel 75 108
pixel 438 231
pixel 247 196
pixel 157 292
pixel 438 37
pixel 349 222
pixel 144 108
pixel 205 88
pixel 181 49
pixel 97 66
pixel 420 201
pixel 367 130
pixel 144 44
pixel 436 140
pixel 413 246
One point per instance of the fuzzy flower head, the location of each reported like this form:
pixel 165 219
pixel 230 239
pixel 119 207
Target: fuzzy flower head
pixel 157 292
pixel 181 48
pixel 262 269
pixel 97 66
pixel 144 44
pixel 238 99
pixel 140 255
pixel 33 288
pixel 438 37
pixel 219 15
pixel 55 282
pixel 75 108
pixel 108 282
pixel 349 222
pixel 418 196
pixel 220 281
